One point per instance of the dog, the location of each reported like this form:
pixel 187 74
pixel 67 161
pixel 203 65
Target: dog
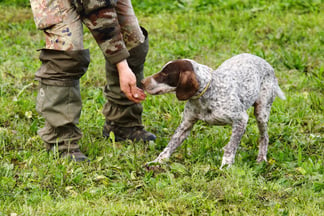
pixel 219 97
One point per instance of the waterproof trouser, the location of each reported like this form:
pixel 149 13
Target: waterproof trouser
pixel 64 62
pixel 59 99
pixel 119 110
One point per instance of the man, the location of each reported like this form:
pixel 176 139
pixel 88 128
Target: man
pixel 124 44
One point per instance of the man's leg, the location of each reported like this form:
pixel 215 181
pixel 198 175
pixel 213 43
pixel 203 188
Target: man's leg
pixel 63 63
pixel 124 117
pixel 59 99
pixel 117 26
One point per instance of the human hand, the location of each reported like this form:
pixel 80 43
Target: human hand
pixel 127 82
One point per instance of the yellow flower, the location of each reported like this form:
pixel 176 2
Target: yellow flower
pixel 29 114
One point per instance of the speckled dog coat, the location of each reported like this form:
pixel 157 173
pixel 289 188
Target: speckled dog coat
pixel 219 97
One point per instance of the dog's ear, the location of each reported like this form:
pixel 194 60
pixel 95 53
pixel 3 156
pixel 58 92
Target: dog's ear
pixel 187 85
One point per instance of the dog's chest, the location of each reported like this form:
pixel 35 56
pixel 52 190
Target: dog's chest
pixel 209 111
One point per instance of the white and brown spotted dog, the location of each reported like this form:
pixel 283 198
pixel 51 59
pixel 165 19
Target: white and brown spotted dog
pixel 219 97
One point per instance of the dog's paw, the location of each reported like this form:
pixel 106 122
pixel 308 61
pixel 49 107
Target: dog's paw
pixel 261 158
pixel 154 166
pixel 152 163
pixel 225 166
pixel 227 162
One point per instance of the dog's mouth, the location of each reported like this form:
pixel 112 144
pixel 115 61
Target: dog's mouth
pixel 158 92
pixel 151 91
pixel 158 89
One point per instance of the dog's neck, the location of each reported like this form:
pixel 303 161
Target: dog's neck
pixel 204 77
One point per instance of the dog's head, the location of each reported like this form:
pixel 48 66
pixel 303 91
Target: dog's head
pixel 176 76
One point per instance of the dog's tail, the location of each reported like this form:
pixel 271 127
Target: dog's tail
pixel 279 92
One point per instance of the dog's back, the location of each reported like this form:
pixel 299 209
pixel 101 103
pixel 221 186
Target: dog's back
pixel 242 78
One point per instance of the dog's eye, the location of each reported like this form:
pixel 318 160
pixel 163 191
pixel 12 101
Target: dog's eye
pixel 164 74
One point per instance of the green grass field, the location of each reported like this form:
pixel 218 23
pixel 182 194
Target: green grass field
pixel 289 34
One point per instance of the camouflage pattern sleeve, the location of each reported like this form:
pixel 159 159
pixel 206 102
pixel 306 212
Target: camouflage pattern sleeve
pixel 113 25
pixel 104 26
pixel 85 7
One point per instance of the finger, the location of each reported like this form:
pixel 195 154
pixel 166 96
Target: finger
pixel 136 100
pixel 128 94
pixel 139 94
pixel 136 97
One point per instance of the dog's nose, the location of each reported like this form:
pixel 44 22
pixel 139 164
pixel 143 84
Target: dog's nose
pixel 144 81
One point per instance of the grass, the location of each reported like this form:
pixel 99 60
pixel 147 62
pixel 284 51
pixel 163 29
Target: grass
pixel 288 34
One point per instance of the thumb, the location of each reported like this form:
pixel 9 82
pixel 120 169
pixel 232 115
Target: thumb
pixel 137 93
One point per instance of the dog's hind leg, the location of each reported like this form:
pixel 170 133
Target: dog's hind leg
pixel 262 109
pixel 238 129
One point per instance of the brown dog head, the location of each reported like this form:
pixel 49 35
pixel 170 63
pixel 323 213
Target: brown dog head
pixel 178 76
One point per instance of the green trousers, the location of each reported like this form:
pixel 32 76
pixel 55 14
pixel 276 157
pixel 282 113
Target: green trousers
pixel 119 110
pixel 59 99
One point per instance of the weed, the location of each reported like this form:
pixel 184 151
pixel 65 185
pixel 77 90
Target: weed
pixel 288 34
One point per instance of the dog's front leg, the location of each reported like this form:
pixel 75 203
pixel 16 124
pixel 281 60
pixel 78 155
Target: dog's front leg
pixel 178 137
pixel 238 129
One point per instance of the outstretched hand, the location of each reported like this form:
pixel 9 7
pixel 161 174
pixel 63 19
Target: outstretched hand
pixel 127 81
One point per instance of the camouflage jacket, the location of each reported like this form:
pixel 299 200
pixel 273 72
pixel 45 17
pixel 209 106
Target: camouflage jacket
pixel 102 18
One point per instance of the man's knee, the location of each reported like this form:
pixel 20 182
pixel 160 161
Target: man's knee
pixel 62 68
